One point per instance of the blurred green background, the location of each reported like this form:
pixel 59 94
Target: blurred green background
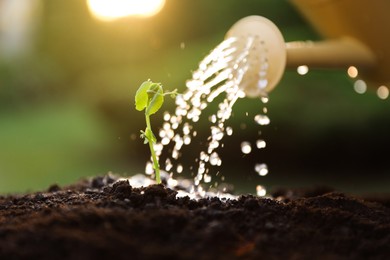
pixel 67 82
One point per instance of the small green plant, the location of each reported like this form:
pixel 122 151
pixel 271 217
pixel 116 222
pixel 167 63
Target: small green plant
pixel 150 97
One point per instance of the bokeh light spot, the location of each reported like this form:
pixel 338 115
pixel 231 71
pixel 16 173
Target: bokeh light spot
pixel 303 70
pixel 382 92
pixel 352 72
pixel 115 9
pixel 360 86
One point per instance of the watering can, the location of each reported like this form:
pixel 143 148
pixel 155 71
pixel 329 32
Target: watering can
pixel 356 33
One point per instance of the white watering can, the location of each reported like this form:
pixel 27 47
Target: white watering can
pixel 356 32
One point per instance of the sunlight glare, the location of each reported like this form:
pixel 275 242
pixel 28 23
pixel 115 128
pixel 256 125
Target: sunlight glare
pixel 115 9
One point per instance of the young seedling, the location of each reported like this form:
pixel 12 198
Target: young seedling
pixel 150 97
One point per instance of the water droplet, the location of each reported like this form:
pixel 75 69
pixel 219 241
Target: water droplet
pixel 161 133
pixel 167 116
pixel 261 169
pixel 181 111
pixel 175 120
pixel 175 154
pixel 246 147
pixel 216 133
pixel 175 125
pixel 212 146
pixel 229 130
pixel 214 159
pixel 260 144
pixel 149 168
pixel 260 191
pixel 168 165
pixel 166 126
pixel 262 119
pixel 202 168
pixel 204 156
pixel 213 119
pixel 186 129
pixel 165 140
pixel 158 148
pixel 179 168
pixel 207 178
pixel 187 140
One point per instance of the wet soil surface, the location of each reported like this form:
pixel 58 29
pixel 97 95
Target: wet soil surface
pixel 102 219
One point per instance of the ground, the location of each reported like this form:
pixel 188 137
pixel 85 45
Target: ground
pixel 103 218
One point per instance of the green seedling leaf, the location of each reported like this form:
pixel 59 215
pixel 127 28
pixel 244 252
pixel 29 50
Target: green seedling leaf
pixel 156 98
pixel 141 96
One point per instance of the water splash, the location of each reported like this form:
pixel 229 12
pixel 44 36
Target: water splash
pixel 184 187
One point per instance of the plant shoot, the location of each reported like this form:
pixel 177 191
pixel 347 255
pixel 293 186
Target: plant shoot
pixel 150 97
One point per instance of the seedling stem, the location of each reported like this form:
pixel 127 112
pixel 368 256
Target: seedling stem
pixel 150 97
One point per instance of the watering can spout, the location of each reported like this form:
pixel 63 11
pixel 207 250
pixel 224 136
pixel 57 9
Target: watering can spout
pixel 273 46
pixel 355 34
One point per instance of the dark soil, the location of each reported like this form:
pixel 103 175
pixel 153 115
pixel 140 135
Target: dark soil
pixel 99 219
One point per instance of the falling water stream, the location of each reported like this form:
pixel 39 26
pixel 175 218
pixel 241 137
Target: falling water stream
pixel 221 77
